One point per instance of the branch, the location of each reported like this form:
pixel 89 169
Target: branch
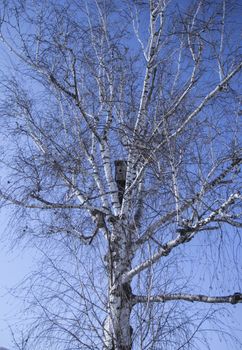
pixel 106 158
pixel 219 211
pixel 198 109
pixel 156 15
pixel 49 205
pixel 189 202
pixel 184 237
pixel 96 175
pixel 161 298
pixel 209 96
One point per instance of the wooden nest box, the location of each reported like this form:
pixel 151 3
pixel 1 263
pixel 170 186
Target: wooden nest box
pixel 120 177
pixel 120 170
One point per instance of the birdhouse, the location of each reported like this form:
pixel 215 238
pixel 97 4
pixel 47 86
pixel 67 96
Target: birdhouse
pixel 120 170
pixel 120 177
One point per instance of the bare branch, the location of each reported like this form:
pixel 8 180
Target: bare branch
pixel 162 298
pixel 184 237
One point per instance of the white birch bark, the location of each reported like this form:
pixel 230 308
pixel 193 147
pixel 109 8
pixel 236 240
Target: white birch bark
pixel 117 329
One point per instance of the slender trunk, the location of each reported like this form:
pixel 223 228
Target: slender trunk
pixel 117 329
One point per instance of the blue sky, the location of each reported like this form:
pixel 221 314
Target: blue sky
pixel 15 264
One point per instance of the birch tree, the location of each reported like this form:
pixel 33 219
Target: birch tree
pixel 120 130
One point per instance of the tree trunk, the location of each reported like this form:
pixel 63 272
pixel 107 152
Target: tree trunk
pixel 117 328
